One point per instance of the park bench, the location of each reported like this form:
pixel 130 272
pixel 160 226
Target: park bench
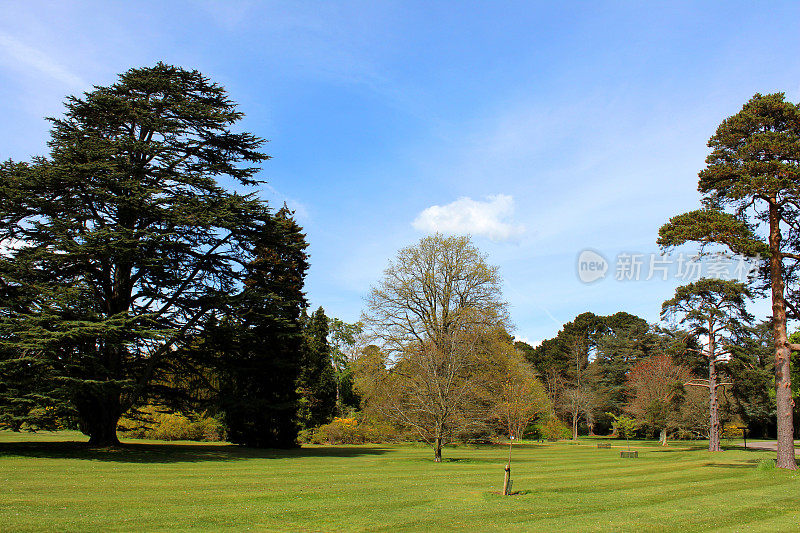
pixel 604 445
pixel 629 455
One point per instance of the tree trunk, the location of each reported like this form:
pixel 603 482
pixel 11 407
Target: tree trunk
pixel 338 405
pixel 713 406
pixel 663 436
pixel 437 450
pixel 783 379
pixel 506 479
pixel 98 414
pixel 575 425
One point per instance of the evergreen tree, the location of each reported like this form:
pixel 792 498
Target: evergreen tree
pixel 751 370
pixel 561 361
pixel 628 339
pixel 121 243
pixel 262 344
pixel 751 204
pixel 715 309
pixel 316 384
pixel 618 350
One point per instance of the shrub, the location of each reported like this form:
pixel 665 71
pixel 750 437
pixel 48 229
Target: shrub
pixel 306 436
pixel 43 418
pixel 342 431
pixel 552 429
pixel 172 427
pixel 152 423
pixel 209 429
pixel 731 430
pixel 766 465
pixel 356 429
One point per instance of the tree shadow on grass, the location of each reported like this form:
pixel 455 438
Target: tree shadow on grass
pixel 749 463
pixel 512 493
pixel 469 460
pixel 172 453
pixel 500 459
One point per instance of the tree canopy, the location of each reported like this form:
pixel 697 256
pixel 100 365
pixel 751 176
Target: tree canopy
pixel 751 202
pixel 123 241
pixel 432 311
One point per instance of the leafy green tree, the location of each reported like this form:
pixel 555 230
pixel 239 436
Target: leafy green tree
pixel 316 384
pixel 343 340
pixel 751 203
pixel 517 398
pixel 124 242
pixel 717 310
pixel 624 427
pixel 370 378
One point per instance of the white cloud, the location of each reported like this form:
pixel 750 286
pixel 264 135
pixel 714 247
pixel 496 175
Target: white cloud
pixel 527 341
pixel 490 218
pixel 25 56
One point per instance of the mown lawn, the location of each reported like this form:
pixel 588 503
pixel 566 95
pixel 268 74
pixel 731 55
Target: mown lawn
pixel 50 483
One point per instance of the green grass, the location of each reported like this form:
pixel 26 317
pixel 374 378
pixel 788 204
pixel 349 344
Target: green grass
pixel 50 483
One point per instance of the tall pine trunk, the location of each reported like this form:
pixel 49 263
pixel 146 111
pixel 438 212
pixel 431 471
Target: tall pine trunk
pixel 713 405
pixel 783 379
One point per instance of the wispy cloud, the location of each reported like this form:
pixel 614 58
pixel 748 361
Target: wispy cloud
pixel 301 211
pixel 490 218
pixel 228 13
pixel 22 55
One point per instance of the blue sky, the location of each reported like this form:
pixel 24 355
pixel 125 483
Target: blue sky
pixel 543 129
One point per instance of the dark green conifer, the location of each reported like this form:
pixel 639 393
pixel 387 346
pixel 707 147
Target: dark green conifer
pixel 124 243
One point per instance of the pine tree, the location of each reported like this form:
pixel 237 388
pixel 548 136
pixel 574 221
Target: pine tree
pixel 717 310
pixel 751 204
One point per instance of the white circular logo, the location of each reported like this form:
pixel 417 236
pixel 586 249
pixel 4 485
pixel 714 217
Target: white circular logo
pixel 591 266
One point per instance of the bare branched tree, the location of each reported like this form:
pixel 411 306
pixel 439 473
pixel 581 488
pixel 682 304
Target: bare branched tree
pixel 517 396
pixel 428 313
pixel 657 384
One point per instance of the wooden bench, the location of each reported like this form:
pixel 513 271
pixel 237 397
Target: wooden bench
pixel 604 445
pixel 629 455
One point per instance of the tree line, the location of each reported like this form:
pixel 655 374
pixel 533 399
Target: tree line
pixel 598 369
pixel 139 268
